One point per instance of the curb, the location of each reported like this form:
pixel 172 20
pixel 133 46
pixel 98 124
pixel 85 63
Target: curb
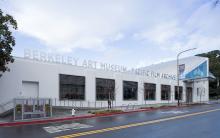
pixel 9 124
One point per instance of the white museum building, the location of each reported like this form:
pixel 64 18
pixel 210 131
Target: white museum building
pixel 91 83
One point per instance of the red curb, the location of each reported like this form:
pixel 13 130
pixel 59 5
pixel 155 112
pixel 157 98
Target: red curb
pixel 8 124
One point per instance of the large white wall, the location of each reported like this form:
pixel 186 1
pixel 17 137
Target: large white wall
pixel 47 74
pixel 201 90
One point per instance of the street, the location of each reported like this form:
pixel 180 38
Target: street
pixel 192 122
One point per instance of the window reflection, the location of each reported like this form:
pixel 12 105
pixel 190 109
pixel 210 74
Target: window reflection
pixel 165 92
pixel 130 90
pixel 105 89
pixel 72 87
pixel 150 91
pixel 180 92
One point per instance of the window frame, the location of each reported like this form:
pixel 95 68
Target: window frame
pixel 181 93
pixel 96 89
pixel 123 91
pixel 84 91
pixel 169 93
pixel 155 91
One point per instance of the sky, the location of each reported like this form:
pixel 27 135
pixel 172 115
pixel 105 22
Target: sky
pixel 132 33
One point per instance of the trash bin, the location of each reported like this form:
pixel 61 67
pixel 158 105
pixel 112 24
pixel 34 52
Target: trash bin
pixel 73 112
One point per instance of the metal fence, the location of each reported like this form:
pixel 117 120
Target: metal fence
pixel 92 105
pixel 4 107
pixel 29 108
pixel 82 104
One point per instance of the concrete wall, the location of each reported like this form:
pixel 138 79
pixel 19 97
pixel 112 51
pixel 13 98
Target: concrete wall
pixel 201 90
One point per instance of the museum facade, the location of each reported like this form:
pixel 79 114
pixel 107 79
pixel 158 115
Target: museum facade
pixel 89 83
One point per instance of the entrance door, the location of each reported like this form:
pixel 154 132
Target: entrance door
pixel 30 89
pixel 189 95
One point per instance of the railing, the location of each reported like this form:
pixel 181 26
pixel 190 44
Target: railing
pixel 4 107
pixel 77 105
pixel 130 106
pixel 94 104
pixel 82 104
pixel 29 108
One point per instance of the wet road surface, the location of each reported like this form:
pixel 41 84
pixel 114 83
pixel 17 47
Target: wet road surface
pixel 199 126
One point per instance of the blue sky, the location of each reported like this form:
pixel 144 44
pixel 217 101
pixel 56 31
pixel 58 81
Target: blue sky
pixel 133 33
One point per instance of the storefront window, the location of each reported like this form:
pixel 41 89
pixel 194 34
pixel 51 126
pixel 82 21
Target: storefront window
pixel 150 91
pixel 165 92
pixel 72 87
pixel 105 89
pixel 180 92
pixel 130 90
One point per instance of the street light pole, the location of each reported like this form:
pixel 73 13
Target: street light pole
pixel 217 87
pixel 178 92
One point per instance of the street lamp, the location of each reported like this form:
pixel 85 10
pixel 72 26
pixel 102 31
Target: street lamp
pixel 178 72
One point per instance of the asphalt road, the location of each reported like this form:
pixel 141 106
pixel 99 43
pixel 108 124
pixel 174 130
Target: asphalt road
pixel 191 122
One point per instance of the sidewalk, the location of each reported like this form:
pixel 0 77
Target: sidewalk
pixel 65 114
pixel 57 113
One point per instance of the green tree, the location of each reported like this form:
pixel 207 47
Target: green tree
pixel 214 67
pixel 7 41
pixel 216 3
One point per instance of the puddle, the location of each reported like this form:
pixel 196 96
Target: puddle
pixel 174 112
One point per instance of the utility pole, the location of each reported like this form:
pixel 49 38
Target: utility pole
pixel 178 92
pixel 217 87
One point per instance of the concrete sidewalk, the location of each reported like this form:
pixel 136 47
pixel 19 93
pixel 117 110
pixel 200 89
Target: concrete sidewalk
pixel 65 113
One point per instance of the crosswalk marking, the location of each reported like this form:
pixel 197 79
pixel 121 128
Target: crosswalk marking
pixel 65 127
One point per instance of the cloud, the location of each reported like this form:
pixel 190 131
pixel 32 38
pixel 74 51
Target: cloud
pixel 148 62
pixel 119 31
pixel 206 23
pixel 161 33
pixel 66 25
pixel 200 29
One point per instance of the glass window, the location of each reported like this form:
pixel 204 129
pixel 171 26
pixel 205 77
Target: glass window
pixel 105 89
pixel 72 87
pixel 130 90
pixel 165 92
pixel 180 92
pixel 149 91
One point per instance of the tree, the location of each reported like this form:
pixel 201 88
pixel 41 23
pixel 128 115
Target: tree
pixel 216 3
pixel 214 67
pixel 110 85
pixel 7 41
